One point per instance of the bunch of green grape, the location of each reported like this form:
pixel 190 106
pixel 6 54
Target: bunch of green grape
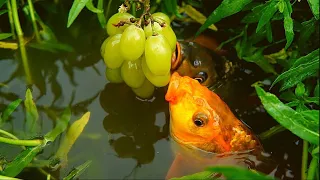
pixel 139 54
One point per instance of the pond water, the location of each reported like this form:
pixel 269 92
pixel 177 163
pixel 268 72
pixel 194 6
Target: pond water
pixel 125 138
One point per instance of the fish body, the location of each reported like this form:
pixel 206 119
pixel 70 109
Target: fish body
pixel 204 128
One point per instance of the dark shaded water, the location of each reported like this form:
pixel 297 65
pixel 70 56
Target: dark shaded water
pixel 125 137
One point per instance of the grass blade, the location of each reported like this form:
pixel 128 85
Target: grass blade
pixel 75 10
pixel 225 9
pixel 74 174
pixel 9 110
pixel 288 23
pixel 289 118
pixel 91 7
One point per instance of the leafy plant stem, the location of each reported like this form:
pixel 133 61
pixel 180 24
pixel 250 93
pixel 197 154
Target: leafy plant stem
pixel 312 168
pixel 34 142
pixel 133 9
pixel 34 23
pixel 11 19
pixel 229 40
pixel 108 8
pixel 304 159
pixel 21 40
pixel 8 134
pixel 272 131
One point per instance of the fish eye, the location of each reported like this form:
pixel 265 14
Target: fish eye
pixel 200 119
pixel 201 77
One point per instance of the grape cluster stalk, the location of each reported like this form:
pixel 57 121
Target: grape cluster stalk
pixel 138 51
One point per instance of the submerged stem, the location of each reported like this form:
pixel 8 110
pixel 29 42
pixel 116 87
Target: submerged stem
pixel 33 19
pixel 272 131
pixel 304 160
pixel 34 142
pixel 21 40
pixel 11 19
pixel 312 168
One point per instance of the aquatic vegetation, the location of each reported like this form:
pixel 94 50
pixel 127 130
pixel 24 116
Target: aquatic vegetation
pixel 42 40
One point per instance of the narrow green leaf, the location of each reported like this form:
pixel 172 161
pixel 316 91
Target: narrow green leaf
pixel 75 10
pixel 2 2
pixel 312 100
pixel 314 6
pixel 308 28
pixel 289 118
pixel 233 172
pixel 51 46
pixel 10 109
pixel 3 11
pixel 8 178
pixel 267 14
pixel 297 74
pixel 75 173
pixel 71 136
pixel 21 161
pixel 31 114
pixel 313 56
pixel 269 32
pixel 5 35
pixel 174 5
pixel 225 9
pixel 61 126
pixel 288 23
pixel 91 7
pixel 259 59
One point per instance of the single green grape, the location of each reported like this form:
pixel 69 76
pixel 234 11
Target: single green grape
pixel 115 19
pixel 132 43
pixel 158 55
pixel 103 46
pixel 148 29
pixel 112 56
pixel 170 36
pixel 159 16
pixel 132 73
pixel 158 81
pixel 114 75
pixel 145 90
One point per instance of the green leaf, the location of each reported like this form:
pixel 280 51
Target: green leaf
pixel 288 23
pixel 300 89
pixel 32 115
pixel 51 46
pixel 314 6
pixel 199 175
pixel 297 74
pixel 233 172
pixel 10 109
pixel 75 10
pixel 312 100
pixel 71 136
pixel 21 161
pixel 289 118
pixel 91 7
pixel 2 2
pixel 172 7
pixel 269 32
pixel 5 35
pixel 3 11
pixel 308 27
pixel 75 173
pixel 61 126
pixel 311 115
pixel 225 9
pixel 8 178
pixel 268 14
pixel 314 55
